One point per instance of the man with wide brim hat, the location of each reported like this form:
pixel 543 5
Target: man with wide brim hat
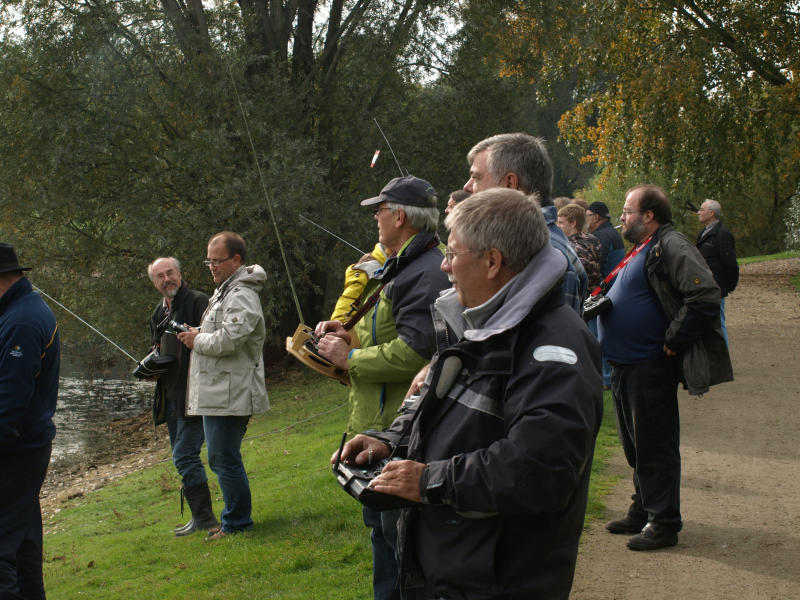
pixel 29 364
pixel 8 260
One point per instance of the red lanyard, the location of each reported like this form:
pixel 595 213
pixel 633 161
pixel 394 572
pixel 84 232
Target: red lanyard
pixel 628 258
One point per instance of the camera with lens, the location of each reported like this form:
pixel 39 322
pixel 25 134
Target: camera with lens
pixel 596 305
pixel 177 327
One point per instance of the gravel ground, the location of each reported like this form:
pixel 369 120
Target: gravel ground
pixel 740 492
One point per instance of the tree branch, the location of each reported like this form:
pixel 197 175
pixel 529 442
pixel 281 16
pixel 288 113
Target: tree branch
pixel 717 33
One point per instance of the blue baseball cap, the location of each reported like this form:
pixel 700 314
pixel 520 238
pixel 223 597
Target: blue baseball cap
pixel 408 190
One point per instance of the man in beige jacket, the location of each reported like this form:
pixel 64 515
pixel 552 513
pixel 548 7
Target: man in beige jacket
pixel 226 374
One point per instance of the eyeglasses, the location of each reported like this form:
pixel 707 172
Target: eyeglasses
pixel 375 211
pixel 588 214
pixel 449 254
pixel 215 263
pixel 170 273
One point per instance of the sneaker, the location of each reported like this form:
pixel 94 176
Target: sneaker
pixel 627 525
pixel 653 537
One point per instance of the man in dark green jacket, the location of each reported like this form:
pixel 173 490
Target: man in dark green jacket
pixel 394 338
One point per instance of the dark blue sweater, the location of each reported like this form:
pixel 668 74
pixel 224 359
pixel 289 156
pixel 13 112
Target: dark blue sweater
pixel 30 357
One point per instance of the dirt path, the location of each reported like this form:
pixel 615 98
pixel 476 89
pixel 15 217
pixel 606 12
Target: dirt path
pixel 740 493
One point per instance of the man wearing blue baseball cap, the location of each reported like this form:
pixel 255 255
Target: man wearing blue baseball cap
pixel 393 338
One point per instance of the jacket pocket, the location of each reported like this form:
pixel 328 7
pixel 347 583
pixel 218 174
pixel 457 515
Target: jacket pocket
pixel 216 392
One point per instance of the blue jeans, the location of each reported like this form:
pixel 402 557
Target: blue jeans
pixel 186 440
pixel 722 321
pixel 224 440
pixel 646 403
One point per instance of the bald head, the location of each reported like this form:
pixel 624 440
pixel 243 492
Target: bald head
pixel 165 273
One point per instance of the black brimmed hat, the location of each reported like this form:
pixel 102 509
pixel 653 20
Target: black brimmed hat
pixel 8 259
pixel 408 190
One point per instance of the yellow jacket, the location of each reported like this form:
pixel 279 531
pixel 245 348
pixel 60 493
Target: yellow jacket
pixel 355 278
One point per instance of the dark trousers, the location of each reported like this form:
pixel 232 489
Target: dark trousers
pixel 646 404
pixel 384 552
pixel 21 478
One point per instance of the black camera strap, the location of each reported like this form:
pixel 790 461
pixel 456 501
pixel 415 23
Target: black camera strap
pixel 601 289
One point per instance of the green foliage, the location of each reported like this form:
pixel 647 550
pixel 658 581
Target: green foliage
pixel 125 139
pixel 702 99
pixel 309 539
pixel 793 221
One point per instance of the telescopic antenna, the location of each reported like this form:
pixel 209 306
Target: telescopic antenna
pixel 329 232
pixel 390 147
pixel 266 195
pixel 89 325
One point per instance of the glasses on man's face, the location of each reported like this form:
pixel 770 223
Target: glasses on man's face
pixel 161 276
pixel 376 211
pixel 588 214
pixel 449 254
pixel 215 263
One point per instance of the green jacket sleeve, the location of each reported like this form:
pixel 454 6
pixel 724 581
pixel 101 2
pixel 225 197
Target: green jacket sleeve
pixel 389 362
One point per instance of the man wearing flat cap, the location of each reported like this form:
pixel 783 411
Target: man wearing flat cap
pixel 29 362
pixel 395 338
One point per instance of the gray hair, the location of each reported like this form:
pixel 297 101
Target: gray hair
pixel 504 219
pixel 419 218
pixel 714 207
pixel 522 154
pixel 172 258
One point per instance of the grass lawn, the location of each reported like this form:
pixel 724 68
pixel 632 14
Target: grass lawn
pixel 309 541
pixel 753 259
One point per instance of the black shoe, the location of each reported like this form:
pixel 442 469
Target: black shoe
pixel 653 537
pixel 627 525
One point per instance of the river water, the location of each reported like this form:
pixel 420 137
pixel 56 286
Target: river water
pixel 86 406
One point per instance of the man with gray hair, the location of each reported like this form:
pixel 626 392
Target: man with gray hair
pixel 718 247
pixel 498 449
pixel 185 306
pixel 520 161
pixel 394 336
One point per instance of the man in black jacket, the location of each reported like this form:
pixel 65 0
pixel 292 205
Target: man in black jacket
pixel 500 446
pixel 717 246
pixel 186 307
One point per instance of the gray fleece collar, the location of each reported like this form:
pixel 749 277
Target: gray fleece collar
pixel 512 303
